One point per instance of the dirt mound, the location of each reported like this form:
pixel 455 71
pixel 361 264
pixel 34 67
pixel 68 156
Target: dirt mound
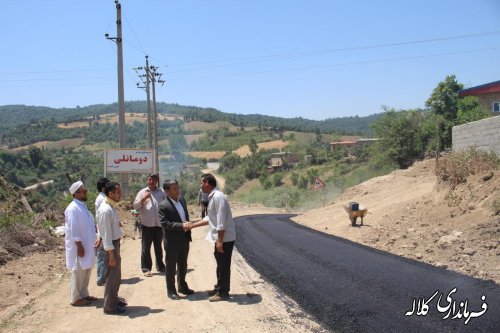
pixel 22 232
pixel 413 215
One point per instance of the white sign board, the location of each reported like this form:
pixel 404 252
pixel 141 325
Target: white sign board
pixel 129 160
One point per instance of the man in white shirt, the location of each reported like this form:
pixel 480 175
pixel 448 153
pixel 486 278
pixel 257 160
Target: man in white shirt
pixel 79 239
pixel 146 202
pixel 222 232
pixel 101 273
pixel 111 233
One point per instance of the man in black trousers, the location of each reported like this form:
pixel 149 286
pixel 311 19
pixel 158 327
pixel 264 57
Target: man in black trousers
pixel 147 202
pixel 177 235
pixel 222 233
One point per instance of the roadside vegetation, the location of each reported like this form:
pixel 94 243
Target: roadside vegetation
pixel 455 168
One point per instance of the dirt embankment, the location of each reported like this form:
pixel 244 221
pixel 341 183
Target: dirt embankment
pixel 413 215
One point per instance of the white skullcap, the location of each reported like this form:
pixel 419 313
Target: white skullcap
pixel 75 186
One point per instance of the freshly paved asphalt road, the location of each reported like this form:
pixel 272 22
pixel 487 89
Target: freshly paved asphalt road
pixel 349 287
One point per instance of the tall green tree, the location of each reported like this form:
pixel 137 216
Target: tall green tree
pixel 444 103
pixel 177 142
pixel 36 155
pixel 469 110
pixel 253 146
pixel 444 98
pixel 404 136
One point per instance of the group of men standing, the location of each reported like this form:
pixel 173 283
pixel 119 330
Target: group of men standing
pixel 164 218
pixel 82 245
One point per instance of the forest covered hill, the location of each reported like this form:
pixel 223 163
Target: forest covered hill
pixel 15 115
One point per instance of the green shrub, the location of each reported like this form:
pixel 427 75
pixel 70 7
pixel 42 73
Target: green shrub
pixel 302 182
pixel 277 179
pixel 49 224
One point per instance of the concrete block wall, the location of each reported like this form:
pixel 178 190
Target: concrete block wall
pixel 483 134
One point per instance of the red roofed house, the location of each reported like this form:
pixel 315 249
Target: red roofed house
pixel 488 95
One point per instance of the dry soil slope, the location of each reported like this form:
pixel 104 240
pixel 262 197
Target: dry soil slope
pixel 413 215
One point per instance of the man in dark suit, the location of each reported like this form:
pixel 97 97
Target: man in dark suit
pixel 174 219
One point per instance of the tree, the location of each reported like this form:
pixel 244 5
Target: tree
pixel 253 146
pixel 177 142
pixel 36 155
pixel 277 179
pixel 265 182
pixel 403 136
pixel 469 110
pixel 444 98
pixel 444 102
pixel 228 162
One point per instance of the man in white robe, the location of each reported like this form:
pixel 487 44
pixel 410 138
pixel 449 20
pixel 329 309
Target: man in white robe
pixel 80 238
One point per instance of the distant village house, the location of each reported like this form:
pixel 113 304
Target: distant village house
pixel 282 161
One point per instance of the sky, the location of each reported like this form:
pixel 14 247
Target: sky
pixel 315 59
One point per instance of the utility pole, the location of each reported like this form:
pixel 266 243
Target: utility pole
pixel 147 77
pixel 121 96
pixel 152 130
pixel 155 114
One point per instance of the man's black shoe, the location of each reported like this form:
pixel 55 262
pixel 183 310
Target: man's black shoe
pixel 119 310
pixel 186 291
pixel 212 292
pixel 122 304
pixel 173 295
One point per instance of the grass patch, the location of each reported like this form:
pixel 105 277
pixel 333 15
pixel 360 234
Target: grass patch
pixel 7 220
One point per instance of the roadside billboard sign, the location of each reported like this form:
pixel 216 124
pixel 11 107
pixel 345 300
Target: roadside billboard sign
pixel 128 160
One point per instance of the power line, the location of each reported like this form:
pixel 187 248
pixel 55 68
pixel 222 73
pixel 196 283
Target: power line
pixel 58 79
pixel 354 48
pixel 249 60
pixel 135 36
pixel 293 69
pixel 219 76
pixel 58 71
pixel 60 85
pixel 336 65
